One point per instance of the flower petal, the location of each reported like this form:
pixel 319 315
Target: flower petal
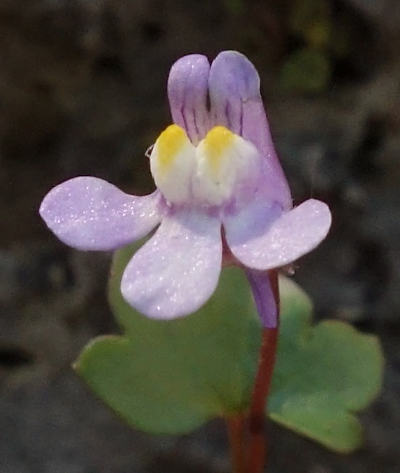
pixel 172 164
pixel 188 92
pixel 234 87
pixel 263 237
pixel 263 297
pixel 91 214
pixel 177 270
pixel 228 168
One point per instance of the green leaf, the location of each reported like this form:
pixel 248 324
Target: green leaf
pixel 171 377
pixel 324 374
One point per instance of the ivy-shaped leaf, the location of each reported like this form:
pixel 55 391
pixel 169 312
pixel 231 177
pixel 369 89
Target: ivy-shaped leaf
pixel 324 374
pixel 171 377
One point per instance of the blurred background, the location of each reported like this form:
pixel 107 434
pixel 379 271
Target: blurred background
pixel 83 92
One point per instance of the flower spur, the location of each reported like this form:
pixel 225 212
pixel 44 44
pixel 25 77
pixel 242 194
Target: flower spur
pixel 215 168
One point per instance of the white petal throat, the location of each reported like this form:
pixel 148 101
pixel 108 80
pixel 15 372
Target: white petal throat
pixel 222 168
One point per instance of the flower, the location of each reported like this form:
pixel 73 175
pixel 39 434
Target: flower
pixel 215 168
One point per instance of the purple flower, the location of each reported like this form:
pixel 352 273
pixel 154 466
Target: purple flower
pixel 220 190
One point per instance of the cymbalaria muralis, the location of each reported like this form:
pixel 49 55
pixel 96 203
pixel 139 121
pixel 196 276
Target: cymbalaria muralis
pixel 221 197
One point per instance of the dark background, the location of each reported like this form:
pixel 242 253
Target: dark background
pixel 82 91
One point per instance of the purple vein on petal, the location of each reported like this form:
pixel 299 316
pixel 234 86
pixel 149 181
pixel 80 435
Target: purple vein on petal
pixel 234 88
pixel 188 94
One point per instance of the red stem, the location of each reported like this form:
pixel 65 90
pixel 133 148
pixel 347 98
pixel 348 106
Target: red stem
pixel 256 453
pixel 236 440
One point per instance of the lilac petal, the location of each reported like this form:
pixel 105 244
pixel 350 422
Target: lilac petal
pixel 91 214
pixel 177 270
pixel 187 93
pixel 236 103
pixel 263 297
pixel 263 237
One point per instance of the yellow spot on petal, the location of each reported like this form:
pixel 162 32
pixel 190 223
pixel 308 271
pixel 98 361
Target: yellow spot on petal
pixel 169 143
pixel 216 142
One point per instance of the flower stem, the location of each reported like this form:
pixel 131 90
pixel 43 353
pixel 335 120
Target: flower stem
pixel 236 426
pixel 256 452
